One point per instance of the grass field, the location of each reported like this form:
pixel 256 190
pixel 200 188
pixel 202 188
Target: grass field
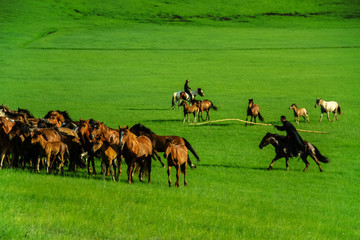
pixel 121 62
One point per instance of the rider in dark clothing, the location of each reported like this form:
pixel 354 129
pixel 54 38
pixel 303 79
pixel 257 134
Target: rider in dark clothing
pixel 187 89
pixel 296 144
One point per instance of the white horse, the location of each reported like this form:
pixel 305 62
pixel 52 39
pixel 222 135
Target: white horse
pixel 177 96
pixel 327 107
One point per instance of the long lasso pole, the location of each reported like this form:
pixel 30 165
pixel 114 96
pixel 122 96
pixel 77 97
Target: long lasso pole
pixel 252 123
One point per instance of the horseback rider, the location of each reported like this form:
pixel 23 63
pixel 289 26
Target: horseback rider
pixel 296 143
pixel 187 89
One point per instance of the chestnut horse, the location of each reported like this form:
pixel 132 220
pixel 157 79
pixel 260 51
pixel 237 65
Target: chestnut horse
pixel 177 155
pixel 56 149
pixel 159 142
pixel 180 95
pixel 189 109
pixel 299 112
pixel 84 131
pixel 253 111
pixel 327 107
pixel 204 105
pixel 108 156
pixel 280 144
pixel 136 150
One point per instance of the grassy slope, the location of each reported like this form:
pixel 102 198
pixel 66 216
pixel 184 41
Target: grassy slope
pixel 229 195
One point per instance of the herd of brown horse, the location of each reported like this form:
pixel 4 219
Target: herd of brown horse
pixel 25 141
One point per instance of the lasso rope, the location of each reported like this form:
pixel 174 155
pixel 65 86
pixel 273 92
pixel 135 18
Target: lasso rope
pixel 261 124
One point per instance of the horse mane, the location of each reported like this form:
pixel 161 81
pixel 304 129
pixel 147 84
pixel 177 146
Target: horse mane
pixel 141 127
pixel 25 111
pixel 278 137
pixel 64 113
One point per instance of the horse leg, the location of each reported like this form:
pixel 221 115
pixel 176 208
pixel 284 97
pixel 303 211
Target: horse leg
pixel 177 175
pixel 149 167
pixel 307 164
pixel 335 115
pixel 272 163
pixel 103 167
pixel 287 163
pixel 168 172
pixel 321 116
pixel 313 156
pixel 158 157
pixel 194 117
pixel 185 167
pixel 328 115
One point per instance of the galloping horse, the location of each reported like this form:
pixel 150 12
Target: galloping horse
pixel 328 107
pixel 136 150
pixel 253 110
pixel 280 144
pixel 177 96
pixel 159 142
pixel 299 112
pixel 177 155
pixel 204 105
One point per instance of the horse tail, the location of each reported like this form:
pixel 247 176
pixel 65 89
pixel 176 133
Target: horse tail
pixel 213 107
pixel 339 110
pixel 320 157
pixel 260 117
pixel 182 168
pixel 188 145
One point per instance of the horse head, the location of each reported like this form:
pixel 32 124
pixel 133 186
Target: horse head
pixel 318 102
pixel 293 106
pixel 266 140
pixel 124 133
pixel 200 92
pixel 168 145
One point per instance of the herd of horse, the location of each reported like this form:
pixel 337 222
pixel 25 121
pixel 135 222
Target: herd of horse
pixel 56 140
pixel 26 141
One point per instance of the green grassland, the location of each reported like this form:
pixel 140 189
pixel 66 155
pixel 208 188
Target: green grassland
pixel 119 62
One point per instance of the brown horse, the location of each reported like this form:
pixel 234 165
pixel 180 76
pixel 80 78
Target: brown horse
pixel 299 112
pixel 108 156
pixel 253 111
pixel 5 143
pixel 177 155
pixel 159 142
pixel 204 105
pixel 109 135
pixel 136 150
pixel 280 144
pixel 57 150
pixel 84 131
pixel 189 109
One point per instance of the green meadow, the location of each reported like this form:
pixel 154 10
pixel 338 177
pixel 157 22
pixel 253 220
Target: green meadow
pixel 119 62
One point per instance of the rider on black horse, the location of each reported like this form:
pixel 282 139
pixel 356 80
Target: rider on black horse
pixel 296 144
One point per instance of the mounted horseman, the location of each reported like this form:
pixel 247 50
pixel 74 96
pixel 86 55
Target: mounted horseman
pixel 296 143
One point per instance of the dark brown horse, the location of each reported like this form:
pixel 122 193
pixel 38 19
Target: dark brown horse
pixel 253 111
pixel 159 142
pixel 280 144
pixel 177 155
pixel 136 150
pixel 204 105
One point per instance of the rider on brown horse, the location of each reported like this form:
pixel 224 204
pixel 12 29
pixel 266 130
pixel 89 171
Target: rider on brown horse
pixel 296 144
